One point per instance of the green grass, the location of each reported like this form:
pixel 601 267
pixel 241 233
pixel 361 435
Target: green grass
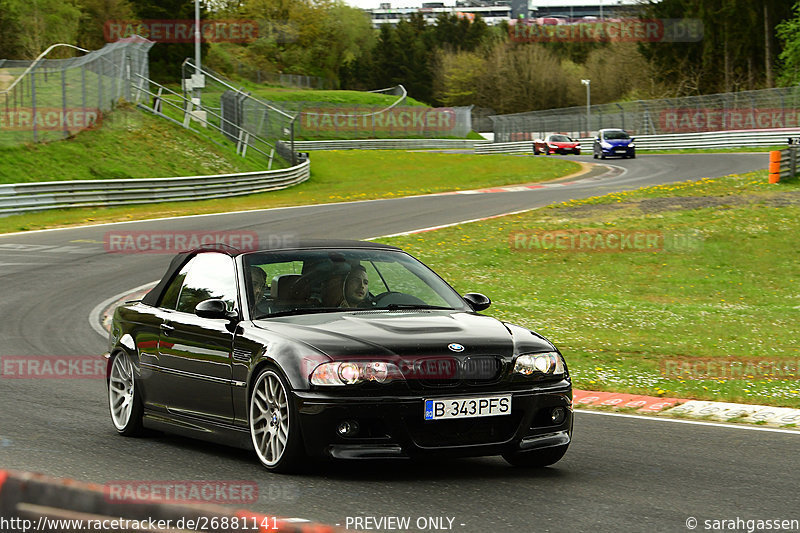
pixel 128 144
pixel 619 317
pixel 336 177
pixel 282 94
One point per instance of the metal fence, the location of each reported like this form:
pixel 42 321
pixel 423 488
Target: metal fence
pixel 391 144
pixel 744 110
pixel 48 99
pixel 290 120
pixel 288 80
pixel 330 121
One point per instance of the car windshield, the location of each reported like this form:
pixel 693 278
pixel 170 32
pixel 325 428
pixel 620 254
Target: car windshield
pixel 317 281
pixel 616 135
pixel 560 139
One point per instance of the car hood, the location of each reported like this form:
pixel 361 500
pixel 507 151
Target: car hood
pixel 416 333
pixel 562 144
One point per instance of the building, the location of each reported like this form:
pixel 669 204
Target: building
pixel 496 11
pixel 491 12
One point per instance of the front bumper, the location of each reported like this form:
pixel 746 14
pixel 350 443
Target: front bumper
pixel 618 151
pixel 394 427
pixel 565 151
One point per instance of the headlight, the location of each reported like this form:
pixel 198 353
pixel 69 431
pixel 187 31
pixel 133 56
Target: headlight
pixel 631 145
pixel 549 363
pixel 354 372
pixel 606 145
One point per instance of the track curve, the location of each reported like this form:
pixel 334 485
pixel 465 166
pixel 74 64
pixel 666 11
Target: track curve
pixel 620 474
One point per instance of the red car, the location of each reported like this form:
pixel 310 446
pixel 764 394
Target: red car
pixel 556 144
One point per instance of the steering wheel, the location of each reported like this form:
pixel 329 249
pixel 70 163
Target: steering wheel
pixel 393 297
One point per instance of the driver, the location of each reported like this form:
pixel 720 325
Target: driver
pixel 258 279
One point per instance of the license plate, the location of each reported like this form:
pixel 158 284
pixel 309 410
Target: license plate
pixel 467 407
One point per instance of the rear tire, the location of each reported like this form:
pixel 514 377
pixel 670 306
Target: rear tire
pixel 536 458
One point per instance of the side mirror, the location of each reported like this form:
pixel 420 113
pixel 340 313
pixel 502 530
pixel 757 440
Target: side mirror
pixel 477 301
pixel 633 139
pixel 214 308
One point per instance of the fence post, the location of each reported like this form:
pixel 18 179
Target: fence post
pixel 64 101
pixel 33 104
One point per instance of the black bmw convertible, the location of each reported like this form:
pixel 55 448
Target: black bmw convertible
pixel 337 349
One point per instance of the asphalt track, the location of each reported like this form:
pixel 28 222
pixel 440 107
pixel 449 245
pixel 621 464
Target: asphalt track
pixel 620 474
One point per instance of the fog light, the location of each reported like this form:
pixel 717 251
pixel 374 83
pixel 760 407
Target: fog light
pixel 558 415
pixel 347 428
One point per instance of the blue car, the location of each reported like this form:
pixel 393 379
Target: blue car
pixel 613 142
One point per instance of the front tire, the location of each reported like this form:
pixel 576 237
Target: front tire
pixel 124 398
pixel 274 424
pixel 536 458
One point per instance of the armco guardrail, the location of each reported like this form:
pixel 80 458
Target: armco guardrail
pixel 34 502
pixel 716 139
pixel 678 141
pixel 519 147
pixel 389 144
pixel 22 197
pixel 783 163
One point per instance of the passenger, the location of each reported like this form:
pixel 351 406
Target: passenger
pixel 356 288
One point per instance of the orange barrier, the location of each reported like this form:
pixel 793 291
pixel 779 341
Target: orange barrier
pixel 774 166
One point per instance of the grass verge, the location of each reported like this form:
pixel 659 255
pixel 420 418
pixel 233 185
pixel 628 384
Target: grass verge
pixel 336 176
pixel 128 144
pixel 723 285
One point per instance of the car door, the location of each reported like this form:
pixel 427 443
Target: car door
pixel 154 378
pixel 196 353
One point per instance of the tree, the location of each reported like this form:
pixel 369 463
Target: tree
pixel 734 53
pixel 788 32
pixel 166 58
pixel 30 26
pixel 95 14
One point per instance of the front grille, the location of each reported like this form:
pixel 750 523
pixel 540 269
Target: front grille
pixel 470 431
pixel 450 371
